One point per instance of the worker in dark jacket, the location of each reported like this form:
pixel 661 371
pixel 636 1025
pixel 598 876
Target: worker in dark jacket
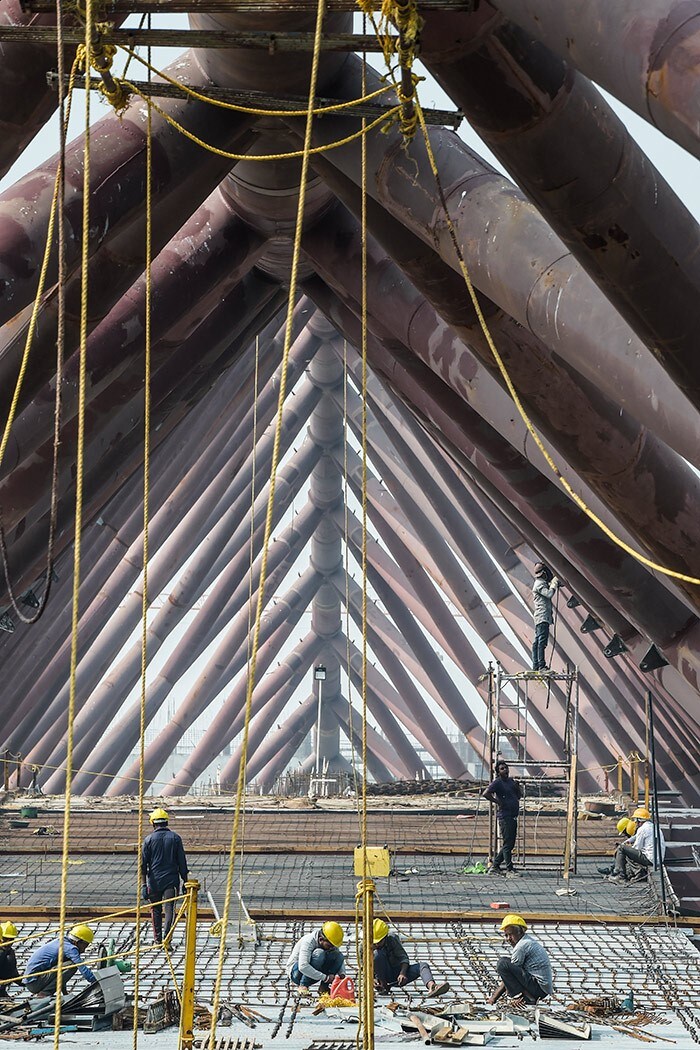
pixel 8 959
pixel 505 793
pixel 392 965
pixel 543 590
pixel 163 866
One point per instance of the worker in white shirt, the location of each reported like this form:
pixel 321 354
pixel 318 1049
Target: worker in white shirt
pixel 634 858
pixel 316 957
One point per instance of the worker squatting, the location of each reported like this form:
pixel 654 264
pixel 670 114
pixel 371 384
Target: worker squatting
pixel 525 974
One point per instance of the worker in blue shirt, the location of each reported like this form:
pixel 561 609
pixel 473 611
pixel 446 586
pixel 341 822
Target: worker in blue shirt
pixel 163 866
pixel 46 958
pixel 505 793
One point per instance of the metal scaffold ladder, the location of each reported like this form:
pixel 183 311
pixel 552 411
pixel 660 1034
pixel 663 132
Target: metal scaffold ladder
pixel 509 721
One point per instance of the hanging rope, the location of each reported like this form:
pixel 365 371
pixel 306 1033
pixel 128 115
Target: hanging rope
pixel 146 519
pixel 580 503
pixel 80 455
pixel 56 217
pixel 293 277
pixel 255 111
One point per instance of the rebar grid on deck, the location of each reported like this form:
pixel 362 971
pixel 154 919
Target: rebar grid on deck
pixel 587 961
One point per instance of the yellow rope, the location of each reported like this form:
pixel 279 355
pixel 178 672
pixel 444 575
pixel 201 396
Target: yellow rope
pixel 80 455
pixel 404 15
pixel 146 516
pixel 367 983
pixel 385 118
pixel 31 330
pixel 268 518
pixel 335 107
pixel 580 503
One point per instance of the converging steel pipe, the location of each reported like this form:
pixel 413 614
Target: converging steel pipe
pixel 645 52
pixel 573 156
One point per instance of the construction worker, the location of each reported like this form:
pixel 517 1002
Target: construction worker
pixel 543 590
pixel 634 858
pixel 46 958
pixel 316 957
pixel 627 828
pixel 8 959
pixel 392 966
pixel 163 866
pixel 527 975
pixel 505 793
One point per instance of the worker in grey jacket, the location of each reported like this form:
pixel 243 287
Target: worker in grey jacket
pixel 543 590
pixel 527 975
pixel 316 958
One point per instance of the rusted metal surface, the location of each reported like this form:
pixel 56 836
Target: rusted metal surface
pixel 531 492
pixel 653 514
pixel 223 531
pixel 600 193
pixel 196 269
pixel 26 102
pixel 660 41
pixel 179 488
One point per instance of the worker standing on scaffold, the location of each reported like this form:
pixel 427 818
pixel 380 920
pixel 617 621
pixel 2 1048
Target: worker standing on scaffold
pixel 543 590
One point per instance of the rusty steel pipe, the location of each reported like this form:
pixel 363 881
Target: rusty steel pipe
pixel 572 155
pixel 659 41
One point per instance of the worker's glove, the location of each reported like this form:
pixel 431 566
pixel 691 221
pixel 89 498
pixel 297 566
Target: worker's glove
pixel 144 893
pixel 324 987
pixel 555 581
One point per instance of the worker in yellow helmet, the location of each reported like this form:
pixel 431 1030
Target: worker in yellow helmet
pixel 527 975
pixel 392 965
pixel 646 849
pixel 627 829
pixel 8 959
pixel 316 958
pixel 163 866
pixel 45 958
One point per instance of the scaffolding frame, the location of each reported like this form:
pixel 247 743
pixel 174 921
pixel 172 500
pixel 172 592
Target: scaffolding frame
pixel 504 739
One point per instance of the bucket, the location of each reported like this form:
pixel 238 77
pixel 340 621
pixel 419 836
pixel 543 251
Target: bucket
pixel 29 811
pixel 19 823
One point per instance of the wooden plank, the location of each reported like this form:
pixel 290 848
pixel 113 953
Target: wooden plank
pixel 199 38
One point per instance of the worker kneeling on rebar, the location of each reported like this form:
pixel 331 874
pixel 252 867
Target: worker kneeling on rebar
pixel 392 965
pixel 40 982
pixel 316 957
pixel 527 975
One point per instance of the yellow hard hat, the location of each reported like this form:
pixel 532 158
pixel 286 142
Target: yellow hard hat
pixel 513 920
pixel 158 814
pixel 622 825
pixel 379 930
pixel 81 932
pixel 631 828
pixel 8 930
pixel 642 813
pixel 333 932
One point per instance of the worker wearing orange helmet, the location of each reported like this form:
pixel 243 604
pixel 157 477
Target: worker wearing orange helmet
pixel 8 959
pixel 633 859
pixel 41 976
pixel 163 865
pixel 392 965
pixel 527 975
pixel 316 958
